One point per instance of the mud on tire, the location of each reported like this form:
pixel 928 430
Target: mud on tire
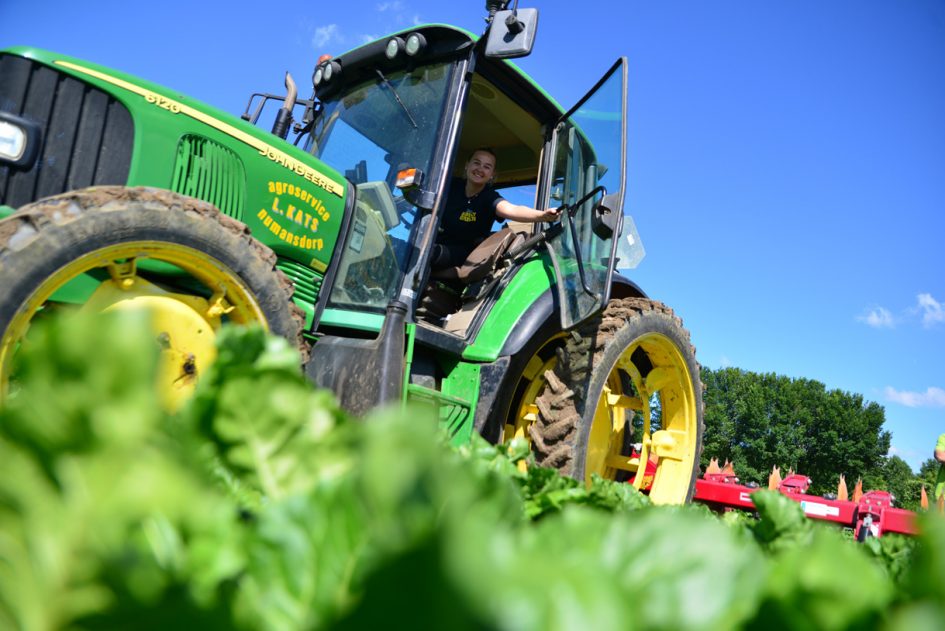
pixel 628 362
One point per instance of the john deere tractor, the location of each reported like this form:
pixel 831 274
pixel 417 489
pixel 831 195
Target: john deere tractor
pixel 120 194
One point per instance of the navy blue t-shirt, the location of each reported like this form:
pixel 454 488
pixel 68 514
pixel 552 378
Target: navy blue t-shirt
pixel 467 220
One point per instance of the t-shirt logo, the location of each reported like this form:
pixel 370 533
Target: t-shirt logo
pixel 468 215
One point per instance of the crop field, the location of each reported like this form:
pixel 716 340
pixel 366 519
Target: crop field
pixel 261 505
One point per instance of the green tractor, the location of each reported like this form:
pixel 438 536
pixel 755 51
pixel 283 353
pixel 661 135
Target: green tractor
pixel 120 194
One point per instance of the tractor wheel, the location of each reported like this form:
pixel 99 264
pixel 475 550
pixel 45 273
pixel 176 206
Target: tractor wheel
pixel 625 393
pixel 110 248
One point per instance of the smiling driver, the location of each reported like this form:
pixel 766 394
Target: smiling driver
pixel 472 206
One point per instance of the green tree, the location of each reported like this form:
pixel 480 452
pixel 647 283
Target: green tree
pixel 928 473
pixel 902 482
pixel 762 420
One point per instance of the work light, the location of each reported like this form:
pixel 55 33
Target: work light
pixel 415 44
pixel 332 69
pixel 394 46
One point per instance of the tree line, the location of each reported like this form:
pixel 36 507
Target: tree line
pixel 761 420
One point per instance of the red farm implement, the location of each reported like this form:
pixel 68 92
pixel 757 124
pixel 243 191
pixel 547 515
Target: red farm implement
pixel 868 514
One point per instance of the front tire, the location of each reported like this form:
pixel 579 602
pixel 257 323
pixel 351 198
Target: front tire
pixel 626 377
pixel 110 248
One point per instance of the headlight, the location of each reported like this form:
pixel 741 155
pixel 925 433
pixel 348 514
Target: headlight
pixel 317 77
pixel 415 44
pixel 20 140
pixel 12 142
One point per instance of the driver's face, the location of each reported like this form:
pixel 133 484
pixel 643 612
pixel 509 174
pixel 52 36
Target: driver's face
pixel 480 168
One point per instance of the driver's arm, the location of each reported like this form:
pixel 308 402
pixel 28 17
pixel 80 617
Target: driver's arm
pixel 507 210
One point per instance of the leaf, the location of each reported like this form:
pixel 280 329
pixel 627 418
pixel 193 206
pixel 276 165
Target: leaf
pixel 894 552
pixel 89 481
pixel 76 385
pixel 303 557
pixel 925 577
pixel 781 522
pixel 827 584
pixel 273 431
pixel 615 496
pixel 584 568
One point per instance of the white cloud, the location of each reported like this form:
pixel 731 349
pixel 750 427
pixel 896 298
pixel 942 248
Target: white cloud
pixel 932 310
pixel 878 318
pixel 325 35
pixel 725 362
pixel 932 398
pixel 416 19
pixel 390 6
pixel 366 38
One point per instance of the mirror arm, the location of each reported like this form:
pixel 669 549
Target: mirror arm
pixel 255 116
pixel 512 22
pixel 494 6
pixel 265 96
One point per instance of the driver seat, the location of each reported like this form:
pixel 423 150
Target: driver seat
pixel 482 259
pixel 451 287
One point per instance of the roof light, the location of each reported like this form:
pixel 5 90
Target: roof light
pixel 12 142
pixel 415 44
pixel 394 46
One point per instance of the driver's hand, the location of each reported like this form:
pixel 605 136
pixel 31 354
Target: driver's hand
pixel 552 214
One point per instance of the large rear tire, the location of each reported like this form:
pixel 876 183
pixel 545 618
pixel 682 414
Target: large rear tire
pixel 626 377
pixel 189 265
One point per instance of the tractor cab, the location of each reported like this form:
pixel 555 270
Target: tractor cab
pixel 398 117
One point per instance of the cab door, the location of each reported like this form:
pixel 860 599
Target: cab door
pixel 585 172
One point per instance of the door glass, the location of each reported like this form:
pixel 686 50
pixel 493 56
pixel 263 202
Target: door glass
pixel 588 163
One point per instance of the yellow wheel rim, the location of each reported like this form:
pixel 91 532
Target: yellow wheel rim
pixel 628 395
pixel 185 324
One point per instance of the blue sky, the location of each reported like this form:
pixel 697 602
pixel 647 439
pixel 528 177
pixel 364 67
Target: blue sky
pixel 786 166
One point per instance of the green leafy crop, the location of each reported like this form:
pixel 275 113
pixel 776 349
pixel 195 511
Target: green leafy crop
pixel 261 505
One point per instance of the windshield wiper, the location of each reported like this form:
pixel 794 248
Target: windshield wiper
pixel 396 97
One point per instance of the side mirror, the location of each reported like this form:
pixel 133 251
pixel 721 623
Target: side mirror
pixel 606 217
pixel 512 33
